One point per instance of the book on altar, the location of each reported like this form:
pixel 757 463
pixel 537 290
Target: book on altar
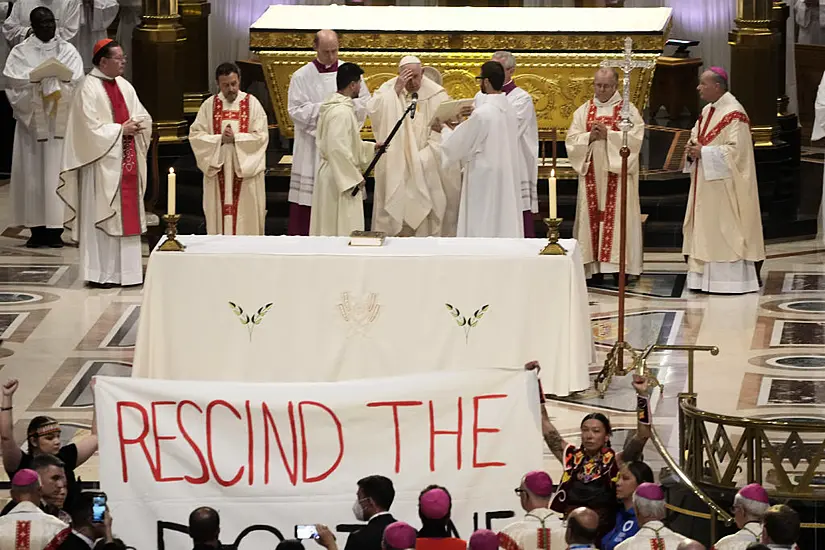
pixel 367 238
pixel 51 67
pixel 449 110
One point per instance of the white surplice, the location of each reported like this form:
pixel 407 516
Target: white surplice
pixel 308 89
pixel 749 534
pixel 644 539
pixel 66 14
pixel 234 192
pixel 723 225
pixel 27 522
pixel 413 189
pixel 41 110
pixel 817 134
pixel 4 46
pixel 541 524
pixel 343 159
pixel 491 187
pixel 810 21
pixel 528 133
pixel 130 13
pixel 598 204
pixel 95 18
pixel 92 168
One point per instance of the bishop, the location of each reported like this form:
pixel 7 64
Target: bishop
pixel 649 503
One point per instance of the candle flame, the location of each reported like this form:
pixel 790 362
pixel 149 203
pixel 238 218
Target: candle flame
pixel 171 170
pixel 552 172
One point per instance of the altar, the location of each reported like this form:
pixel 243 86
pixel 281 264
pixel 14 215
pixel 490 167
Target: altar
pixel 309 309
pixel 557 49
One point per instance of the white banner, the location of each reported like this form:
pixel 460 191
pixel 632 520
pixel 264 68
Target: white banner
pixel 272 456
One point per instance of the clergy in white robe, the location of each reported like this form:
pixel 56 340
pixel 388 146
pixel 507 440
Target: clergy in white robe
pixel 817 134
pixel 540 524
pixel 309 87
pixel 649 503
pixel 26 526
pixel 593 144
pixel 749 507
pixel 128 20
pixel 487 144
pixel 810 16
pixel 723 226
pixel 413 189
pixel 229 138
pixel 95 18
pixel 66 12
pixel 338 196
pixel 103 175
pixel 41 109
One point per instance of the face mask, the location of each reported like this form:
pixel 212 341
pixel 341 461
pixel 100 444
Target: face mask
pixel 358 511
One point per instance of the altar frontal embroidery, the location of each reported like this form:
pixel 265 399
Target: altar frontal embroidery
pixel 467 323
pixel 250 321
pixel 359 313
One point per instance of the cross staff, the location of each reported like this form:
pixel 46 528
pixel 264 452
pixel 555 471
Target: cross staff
pixel 626 65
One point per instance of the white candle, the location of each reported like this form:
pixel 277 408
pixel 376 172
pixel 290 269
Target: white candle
pixel 552 194
pixel 170 188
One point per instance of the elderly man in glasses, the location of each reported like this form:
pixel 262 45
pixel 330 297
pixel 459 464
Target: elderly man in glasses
pixel 540 523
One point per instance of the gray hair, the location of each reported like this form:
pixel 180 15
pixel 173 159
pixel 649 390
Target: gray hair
pixel 754 510
pixel 507 60
pixel 719 80
pixel 650 509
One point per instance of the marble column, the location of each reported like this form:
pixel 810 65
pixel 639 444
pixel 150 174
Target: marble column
pixel 194 16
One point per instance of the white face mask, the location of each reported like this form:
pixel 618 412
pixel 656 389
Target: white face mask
pixel 358 511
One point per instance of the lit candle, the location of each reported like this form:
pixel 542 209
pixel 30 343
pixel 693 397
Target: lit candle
pixel 552 194
pixel 170 187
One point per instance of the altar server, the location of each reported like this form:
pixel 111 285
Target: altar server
pixel 809 16
pixel 66 13
pixel 309 87
pixel 723 227
pixel 42 110
pixel 749 508
pixel 817 134
pixel 335 210
pixel 593 143
pixel 488 143
pixel 103 176
pixel 649 503
pixel 229 139
pixel 95 18
pixel 415 194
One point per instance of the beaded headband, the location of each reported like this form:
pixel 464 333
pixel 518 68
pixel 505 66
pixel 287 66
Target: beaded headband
pixel 45 429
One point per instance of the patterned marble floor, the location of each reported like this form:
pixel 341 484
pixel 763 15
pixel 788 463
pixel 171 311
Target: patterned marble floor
pixel 57 334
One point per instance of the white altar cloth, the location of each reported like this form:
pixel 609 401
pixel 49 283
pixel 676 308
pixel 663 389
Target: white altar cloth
pixel 340 312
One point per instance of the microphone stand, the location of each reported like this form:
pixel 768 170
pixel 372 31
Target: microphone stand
pixel 383 148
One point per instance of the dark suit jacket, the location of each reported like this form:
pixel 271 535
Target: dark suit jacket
pixel 370 536
pixel 73 542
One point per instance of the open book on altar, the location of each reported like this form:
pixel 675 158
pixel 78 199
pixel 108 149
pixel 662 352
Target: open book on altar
pixel 449 110
pixel 51 67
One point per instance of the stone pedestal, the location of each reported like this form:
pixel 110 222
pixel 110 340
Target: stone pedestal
pixel 194 16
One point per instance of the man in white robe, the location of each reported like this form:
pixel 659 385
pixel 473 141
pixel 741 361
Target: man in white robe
pixel 6 115
pixel 487 143
pixel 749 508
pixel 103 175
pixel 817 134
pixel 309 87
pixel 229 138
pixel 540 524
pixel 810 16
pixel 41 109
pixel 413 190
pixel 26 526
pixel 593 144
pixel 129 18
pixel 95 18
pixel 723 226
pixel 66 12
pixel 338 196
pixel 649 503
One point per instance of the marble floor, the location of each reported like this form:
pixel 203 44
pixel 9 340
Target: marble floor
pixel 57 334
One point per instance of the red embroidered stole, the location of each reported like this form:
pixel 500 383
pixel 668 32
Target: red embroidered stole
pixel 129 193
pixel 609 214
pixel 218 116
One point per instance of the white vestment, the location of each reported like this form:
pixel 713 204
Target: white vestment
pixel 538 526
pixel 308 89
pixel 599 200
pixel 130 12
pixel 41 110
pixel 66 15
pixel 749 534
pixel 28 523
pixel 817 134
pixel 528 135
pixel 4 46
pixel 811 20
pixel 106 215
pixel 491 188
pixel 234 194
pixel 95 18
pixel 643 540
pixel 723 226
pixel 413 189
pixel 335 212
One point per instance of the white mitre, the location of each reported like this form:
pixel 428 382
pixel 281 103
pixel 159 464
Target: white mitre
pixel 409 60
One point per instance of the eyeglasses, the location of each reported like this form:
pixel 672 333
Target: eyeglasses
pixel 519 491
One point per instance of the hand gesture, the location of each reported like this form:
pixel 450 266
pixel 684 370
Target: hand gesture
pixel 437 126
pixel 10 387
pixel 466 111
pixel 533 365
pixel 401 81
pixel 131 127
pixel 325 537
pixel 452 124
pixel 640 384
pixel 694 151
pixel 378 147
pixel 107 523
pixel 228 135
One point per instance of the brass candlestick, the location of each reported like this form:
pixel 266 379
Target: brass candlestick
pixel 172 244
pixel 553 247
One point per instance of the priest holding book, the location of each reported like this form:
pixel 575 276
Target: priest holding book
pixel 41 74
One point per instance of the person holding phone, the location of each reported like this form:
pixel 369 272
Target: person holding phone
pixel 91 521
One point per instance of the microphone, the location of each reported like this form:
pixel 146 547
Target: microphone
pixel 413 105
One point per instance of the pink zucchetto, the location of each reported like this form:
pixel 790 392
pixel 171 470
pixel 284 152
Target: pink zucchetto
pixel 539 483
pixel 483 539
pixel 719 71
pixel 754 492
pixel 400 535
pixel 434 504
pixel 24 478
pixel 650 491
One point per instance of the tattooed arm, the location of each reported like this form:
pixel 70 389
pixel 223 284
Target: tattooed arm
pixel 552 437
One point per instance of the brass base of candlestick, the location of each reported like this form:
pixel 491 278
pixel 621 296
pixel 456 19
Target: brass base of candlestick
pixel 553 248
pixel 172 244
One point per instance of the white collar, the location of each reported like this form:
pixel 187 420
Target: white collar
pixel 378 515
pixel 757 533
pixel 610 102
pixel 84 538
pixel 25 507
pixel 99 74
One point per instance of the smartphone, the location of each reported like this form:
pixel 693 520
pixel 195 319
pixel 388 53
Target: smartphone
pixel 98 507
pixel 304 532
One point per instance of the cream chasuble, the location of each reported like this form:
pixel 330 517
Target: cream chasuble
pixel 723 225
pixel 103 179
pixel 540 529
pixel 817 134
pixel 27 527
pixel 335 212
pixel 413 189
pixel 42 111
pixel 598 203
pixel 95 18
pixel 653 535
pixel 749 534
pixel 234 192
pixel 66 14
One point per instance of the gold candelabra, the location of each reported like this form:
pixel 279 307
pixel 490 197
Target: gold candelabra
pixel 553 247
pixel 172 244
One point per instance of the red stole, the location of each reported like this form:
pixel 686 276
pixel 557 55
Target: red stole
pixel 129 194
pixel 609 214
pixel 218 116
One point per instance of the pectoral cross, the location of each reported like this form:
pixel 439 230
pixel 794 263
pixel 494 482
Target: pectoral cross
pixel 627 65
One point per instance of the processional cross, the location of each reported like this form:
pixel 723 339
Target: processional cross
pixel 613 363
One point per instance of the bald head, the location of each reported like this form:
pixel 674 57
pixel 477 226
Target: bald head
pixel 690 544
pixel 582 527
pixel 204 525
pixel 326 47
pixel 605 83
